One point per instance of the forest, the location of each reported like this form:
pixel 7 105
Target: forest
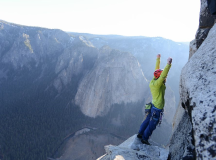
pixel 34 122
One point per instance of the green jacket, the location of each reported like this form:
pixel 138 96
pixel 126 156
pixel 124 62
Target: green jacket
pixel 158 87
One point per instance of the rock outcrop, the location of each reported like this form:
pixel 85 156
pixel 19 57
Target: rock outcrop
pixel 77 59
pixel 21 46
pixel 197 91
pixel 195 124
pixel 182 141
pixel 133 149
pixel 206 21
pixel 116 78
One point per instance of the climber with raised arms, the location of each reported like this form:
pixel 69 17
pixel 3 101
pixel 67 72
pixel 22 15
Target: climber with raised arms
pixel 154 109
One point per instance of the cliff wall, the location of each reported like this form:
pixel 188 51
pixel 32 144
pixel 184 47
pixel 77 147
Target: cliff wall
pixel 194 125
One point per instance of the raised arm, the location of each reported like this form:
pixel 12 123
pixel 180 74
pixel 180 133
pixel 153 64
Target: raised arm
pixel 163 75
pixel 158 62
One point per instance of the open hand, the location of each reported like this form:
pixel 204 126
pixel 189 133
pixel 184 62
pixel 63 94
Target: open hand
pixel 169 60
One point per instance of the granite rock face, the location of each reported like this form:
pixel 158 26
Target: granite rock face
pixel 77 59
pixel 116 78
pixel 206 21
pixel 198 88
pixel 182 141
pixel 133 149
pixel 197 92
pixel 21 45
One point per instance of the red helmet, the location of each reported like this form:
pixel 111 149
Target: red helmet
pixel 157 73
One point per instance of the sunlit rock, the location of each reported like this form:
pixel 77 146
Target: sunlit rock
pixel 133 149
pixel 116 78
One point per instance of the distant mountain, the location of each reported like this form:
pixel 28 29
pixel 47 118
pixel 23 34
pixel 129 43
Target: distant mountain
pixel 116 78
pixel 41 73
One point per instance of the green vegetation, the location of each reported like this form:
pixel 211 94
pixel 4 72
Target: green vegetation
pixel 32 122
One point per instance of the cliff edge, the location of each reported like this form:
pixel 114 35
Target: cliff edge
pixel 133 149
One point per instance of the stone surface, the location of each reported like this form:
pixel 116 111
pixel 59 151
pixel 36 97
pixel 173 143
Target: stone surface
pixel 201 36
pixel 25 45
pixel 116 78
pixel 76 59
pixel 206 21
pixel 133 149
pixel 198 95
pixel 182 142
pixel 193 48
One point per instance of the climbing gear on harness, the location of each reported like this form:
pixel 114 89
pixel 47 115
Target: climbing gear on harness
pixel 152 116
pixel 160 119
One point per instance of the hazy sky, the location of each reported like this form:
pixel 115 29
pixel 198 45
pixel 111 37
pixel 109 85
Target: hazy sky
pixel 172 19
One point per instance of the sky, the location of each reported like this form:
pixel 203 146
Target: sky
pixel 177 20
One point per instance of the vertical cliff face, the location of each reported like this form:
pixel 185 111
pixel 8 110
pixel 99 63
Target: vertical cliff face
pixel 76 59
pixel 195 126
pixel 116 78
pixel 198 95
pixel 206 21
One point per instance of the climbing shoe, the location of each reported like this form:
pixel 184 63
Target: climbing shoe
pixel 139 136
pixel 145 142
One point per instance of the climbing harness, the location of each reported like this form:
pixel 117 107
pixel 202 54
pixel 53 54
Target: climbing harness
pixel 152 117
pixel 160 119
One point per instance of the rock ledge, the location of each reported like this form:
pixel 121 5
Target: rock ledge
pixel 133 149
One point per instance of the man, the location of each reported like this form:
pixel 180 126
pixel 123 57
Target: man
pixel 157 87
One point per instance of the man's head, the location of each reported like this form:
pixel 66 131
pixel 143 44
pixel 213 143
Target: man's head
pixel 157 73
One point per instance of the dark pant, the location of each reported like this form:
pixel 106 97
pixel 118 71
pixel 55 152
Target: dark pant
pixel 149 124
